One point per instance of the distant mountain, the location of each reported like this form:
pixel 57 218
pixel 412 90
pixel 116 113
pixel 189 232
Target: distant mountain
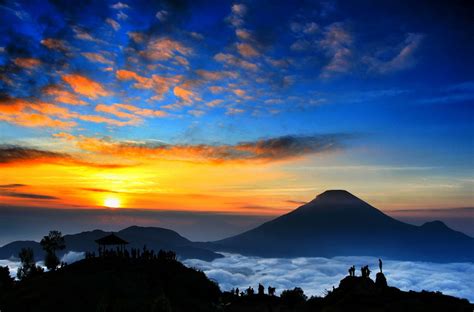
pixel 337 223
pixel 153 237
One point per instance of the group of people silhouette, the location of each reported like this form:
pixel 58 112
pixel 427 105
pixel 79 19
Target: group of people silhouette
pixel 365 271
pixel 250 291
pixel 134 253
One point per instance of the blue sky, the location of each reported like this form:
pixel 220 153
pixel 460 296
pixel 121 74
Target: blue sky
pixel 386 86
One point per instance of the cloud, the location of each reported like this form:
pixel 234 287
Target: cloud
pixel 97 58
pixel 461 92
pixel 55 44
pixel 403 59
pixel 128 111
pixel 85 86
pixel 73 256
pixel 82 34
pixel 10 190
pixel 162 15
pixel 112 23
pixel 317 275
pixel 27 62
pixel 238 11
pixel 62 96
pixel 31 114
pixel 246 50
pixel 336 44
pixel 184 94
pixel 164 49
pixel 27 195
pixel 265 150
pixel 159 84
pixel 98 190
pixel 231 60
pixel 119 6
pixel 7 186
pixel 14 154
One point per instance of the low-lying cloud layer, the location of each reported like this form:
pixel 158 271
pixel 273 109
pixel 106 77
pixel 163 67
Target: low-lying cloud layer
pixel 316 275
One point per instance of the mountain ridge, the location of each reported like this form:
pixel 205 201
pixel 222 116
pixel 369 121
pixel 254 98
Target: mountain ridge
pixel 337 223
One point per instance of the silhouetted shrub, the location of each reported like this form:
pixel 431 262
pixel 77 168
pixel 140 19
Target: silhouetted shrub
pixel 293 297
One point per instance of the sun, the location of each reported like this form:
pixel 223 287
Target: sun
pixel 112 202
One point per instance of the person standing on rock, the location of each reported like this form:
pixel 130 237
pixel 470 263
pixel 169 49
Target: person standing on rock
pixel 380 265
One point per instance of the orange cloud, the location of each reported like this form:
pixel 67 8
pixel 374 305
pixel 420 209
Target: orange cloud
pixel 55 44
pixel 63 96
pixel 265 150
pixel 184 94
pixel 118 110
pixel 231 60
pixel 29 114
pixel 39 114
pixel 27 62
pixel 110 121
pixel 247 50
pixel 164 48
pixel 85 86
pixel 158 84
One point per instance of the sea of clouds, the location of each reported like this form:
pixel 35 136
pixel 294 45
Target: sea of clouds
pixel 317 275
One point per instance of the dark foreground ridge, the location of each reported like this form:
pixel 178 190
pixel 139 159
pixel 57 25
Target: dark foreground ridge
pixel 161 283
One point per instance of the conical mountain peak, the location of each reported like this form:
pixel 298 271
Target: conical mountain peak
pixel 331 197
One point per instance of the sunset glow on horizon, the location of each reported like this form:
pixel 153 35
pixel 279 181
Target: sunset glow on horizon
pixel 242 107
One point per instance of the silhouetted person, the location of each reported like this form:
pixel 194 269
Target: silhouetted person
pixel 380 265
pixel 365 271
pixel 352 271
pixel 271 291
pixel 250 291
pixel 261 290
pixel 237 292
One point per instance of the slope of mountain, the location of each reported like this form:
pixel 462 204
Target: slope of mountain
pixel 154 238
pixel 337 223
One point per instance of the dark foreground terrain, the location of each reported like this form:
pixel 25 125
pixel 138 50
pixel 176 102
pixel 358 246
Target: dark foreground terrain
pixel 124 284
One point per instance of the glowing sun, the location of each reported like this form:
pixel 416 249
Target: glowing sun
pixel 112 202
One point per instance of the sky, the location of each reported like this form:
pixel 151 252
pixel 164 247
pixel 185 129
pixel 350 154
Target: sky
pixel 247 107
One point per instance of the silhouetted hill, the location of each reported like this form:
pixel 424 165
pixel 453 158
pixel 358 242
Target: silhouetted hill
pixel 154 238
pixel 163 284
pixel 115 284
pixel 354 293
pixel 337 223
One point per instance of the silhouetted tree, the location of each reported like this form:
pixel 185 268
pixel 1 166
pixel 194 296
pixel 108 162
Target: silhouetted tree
pixel 6 281
pixel 51 243
pixel 293 297
pixel 28 266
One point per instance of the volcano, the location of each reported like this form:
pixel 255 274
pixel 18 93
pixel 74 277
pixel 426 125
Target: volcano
pixel 337 223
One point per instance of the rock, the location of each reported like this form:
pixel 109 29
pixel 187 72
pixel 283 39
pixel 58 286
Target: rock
pixel 380 280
